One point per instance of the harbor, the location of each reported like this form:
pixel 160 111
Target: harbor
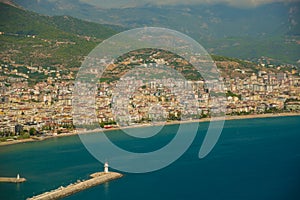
pixel 95 179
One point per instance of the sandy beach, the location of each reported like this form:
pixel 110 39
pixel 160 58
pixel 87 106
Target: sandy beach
pixel 237 117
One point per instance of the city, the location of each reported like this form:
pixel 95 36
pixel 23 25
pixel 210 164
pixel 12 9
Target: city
pixel 45 108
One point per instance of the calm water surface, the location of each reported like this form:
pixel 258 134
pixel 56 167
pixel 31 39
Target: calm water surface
pixel 254 159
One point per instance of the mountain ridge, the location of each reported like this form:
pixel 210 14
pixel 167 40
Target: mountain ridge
pixel 278 12
pixel 11 3
pixel 222 29
pixel 32 39
pixel 10 16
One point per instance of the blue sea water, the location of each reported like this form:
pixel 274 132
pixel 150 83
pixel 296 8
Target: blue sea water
pixel 253 159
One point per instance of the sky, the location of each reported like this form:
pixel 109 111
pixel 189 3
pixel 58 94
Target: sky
pixel 132 3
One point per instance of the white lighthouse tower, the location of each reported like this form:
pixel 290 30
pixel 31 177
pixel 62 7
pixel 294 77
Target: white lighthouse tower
pixel 106 167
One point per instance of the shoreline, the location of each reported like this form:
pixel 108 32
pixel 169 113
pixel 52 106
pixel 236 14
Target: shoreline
pixel 227 118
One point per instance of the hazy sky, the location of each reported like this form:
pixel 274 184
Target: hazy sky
pixel 130 3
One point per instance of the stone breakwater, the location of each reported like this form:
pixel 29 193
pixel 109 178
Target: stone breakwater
pixel 12 180
pixel 61 192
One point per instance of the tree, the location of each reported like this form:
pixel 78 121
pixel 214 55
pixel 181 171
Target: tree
pixel 32 131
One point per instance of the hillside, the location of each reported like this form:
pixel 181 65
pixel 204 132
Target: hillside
pixel 270 30
pixel 33 45
pixel 17 20
pixel 28 38
pixel 218 20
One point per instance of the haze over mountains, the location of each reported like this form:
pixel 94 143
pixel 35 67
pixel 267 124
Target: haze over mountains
pixel 217 20
pixel 268 30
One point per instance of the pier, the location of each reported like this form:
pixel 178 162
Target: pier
pixel 17 179
pixel 61 192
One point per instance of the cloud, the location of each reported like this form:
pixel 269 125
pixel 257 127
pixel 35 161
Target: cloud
pixel 133 3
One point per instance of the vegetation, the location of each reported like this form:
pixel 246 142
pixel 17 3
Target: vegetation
pixel 32 131
pixel 231 94
pixel 146 56
pixel 291 100
pixel 267 30
pixel 61 42
pixel 103 124
pixel 7 135
pixel 18 21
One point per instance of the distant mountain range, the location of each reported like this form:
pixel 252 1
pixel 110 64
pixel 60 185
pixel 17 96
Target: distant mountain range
pixel 36 41
pixel 217 20
pixel 270 30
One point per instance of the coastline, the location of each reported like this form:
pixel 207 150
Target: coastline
pixel 227 118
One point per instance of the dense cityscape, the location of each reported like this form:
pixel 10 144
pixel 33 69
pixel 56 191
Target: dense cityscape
pixel 45 108
pixel 39 67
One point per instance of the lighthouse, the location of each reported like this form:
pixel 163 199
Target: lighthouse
pixel 106 167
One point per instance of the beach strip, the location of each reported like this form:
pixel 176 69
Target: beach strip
pixel 227 117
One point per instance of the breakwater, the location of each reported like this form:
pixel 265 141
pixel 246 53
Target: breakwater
pixel 12 180
pixel 96 179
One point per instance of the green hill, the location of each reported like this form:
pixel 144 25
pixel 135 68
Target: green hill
pixel 16 20
pixel 59 43
pixel 29 38
pixel 270 30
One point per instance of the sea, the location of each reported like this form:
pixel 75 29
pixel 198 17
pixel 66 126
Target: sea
pixel 253 159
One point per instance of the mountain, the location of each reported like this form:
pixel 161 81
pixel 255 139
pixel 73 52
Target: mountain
pixel 217 20
pixel 11 3
pixel 36 40
pixel 14 19
pixel 270 30
pixel 37 46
